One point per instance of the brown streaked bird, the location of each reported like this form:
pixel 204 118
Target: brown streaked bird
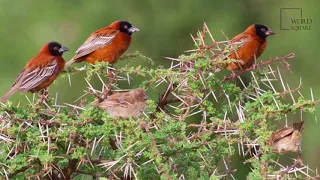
pixel 126 104
pixel 250 45
pixel 105 44
pixel 287 139
pixel 40 71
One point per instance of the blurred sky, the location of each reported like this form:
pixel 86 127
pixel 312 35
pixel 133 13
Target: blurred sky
pixel 165 31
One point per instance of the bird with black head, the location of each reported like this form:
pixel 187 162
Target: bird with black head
pixel 250 44
pixel 40 71
pixel 106 44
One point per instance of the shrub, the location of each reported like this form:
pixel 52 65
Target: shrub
pixel 199 122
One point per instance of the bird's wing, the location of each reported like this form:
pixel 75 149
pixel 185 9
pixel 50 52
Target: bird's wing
pixel 19 77
pixel 235 45
pixel 282 133
pixel 31 77
pixel 123 100
pixel 239 41
pixel 96 40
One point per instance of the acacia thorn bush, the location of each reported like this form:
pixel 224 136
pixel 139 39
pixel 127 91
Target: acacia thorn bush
pixel 199 122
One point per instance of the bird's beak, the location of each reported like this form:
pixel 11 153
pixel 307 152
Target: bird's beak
pixel 133 29
pixel 146 97
pixel 63 49
pixel 270 32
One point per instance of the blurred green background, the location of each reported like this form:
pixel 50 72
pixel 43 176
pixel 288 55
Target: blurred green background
pixel 165 31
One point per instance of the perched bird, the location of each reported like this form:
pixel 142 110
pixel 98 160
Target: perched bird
pixel 105 44
pixel 40 71
pixel 125 105
pixel 287 139
pixel 250 45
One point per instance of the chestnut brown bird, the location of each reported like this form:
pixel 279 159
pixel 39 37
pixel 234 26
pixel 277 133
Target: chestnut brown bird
pixel 126 104
pixel 105 44
pixel 40 71
pixel 250 45
pixel 287 139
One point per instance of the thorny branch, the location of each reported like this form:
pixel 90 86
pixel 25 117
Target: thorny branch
pixel 163 99
pixel 283 58
pixel 298 161
pixel 106 90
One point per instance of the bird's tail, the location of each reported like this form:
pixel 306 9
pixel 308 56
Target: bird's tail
pixel 298 125
pixel 70 62
pixel 8 94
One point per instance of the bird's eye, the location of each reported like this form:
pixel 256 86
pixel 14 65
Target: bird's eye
pixel 126 27
pixel 263 29
pixel 56 48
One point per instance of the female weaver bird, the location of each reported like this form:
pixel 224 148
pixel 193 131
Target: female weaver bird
pixel 287 139
pixel 125 104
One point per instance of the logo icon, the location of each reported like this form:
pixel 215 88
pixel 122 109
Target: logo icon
pixel 293 19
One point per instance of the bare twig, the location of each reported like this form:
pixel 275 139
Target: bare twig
pixel 297 162
pixel 163 99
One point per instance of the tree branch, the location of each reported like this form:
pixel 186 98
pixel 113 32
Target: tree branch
pixel 163 99
pixel 297 162
pixel 251 68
